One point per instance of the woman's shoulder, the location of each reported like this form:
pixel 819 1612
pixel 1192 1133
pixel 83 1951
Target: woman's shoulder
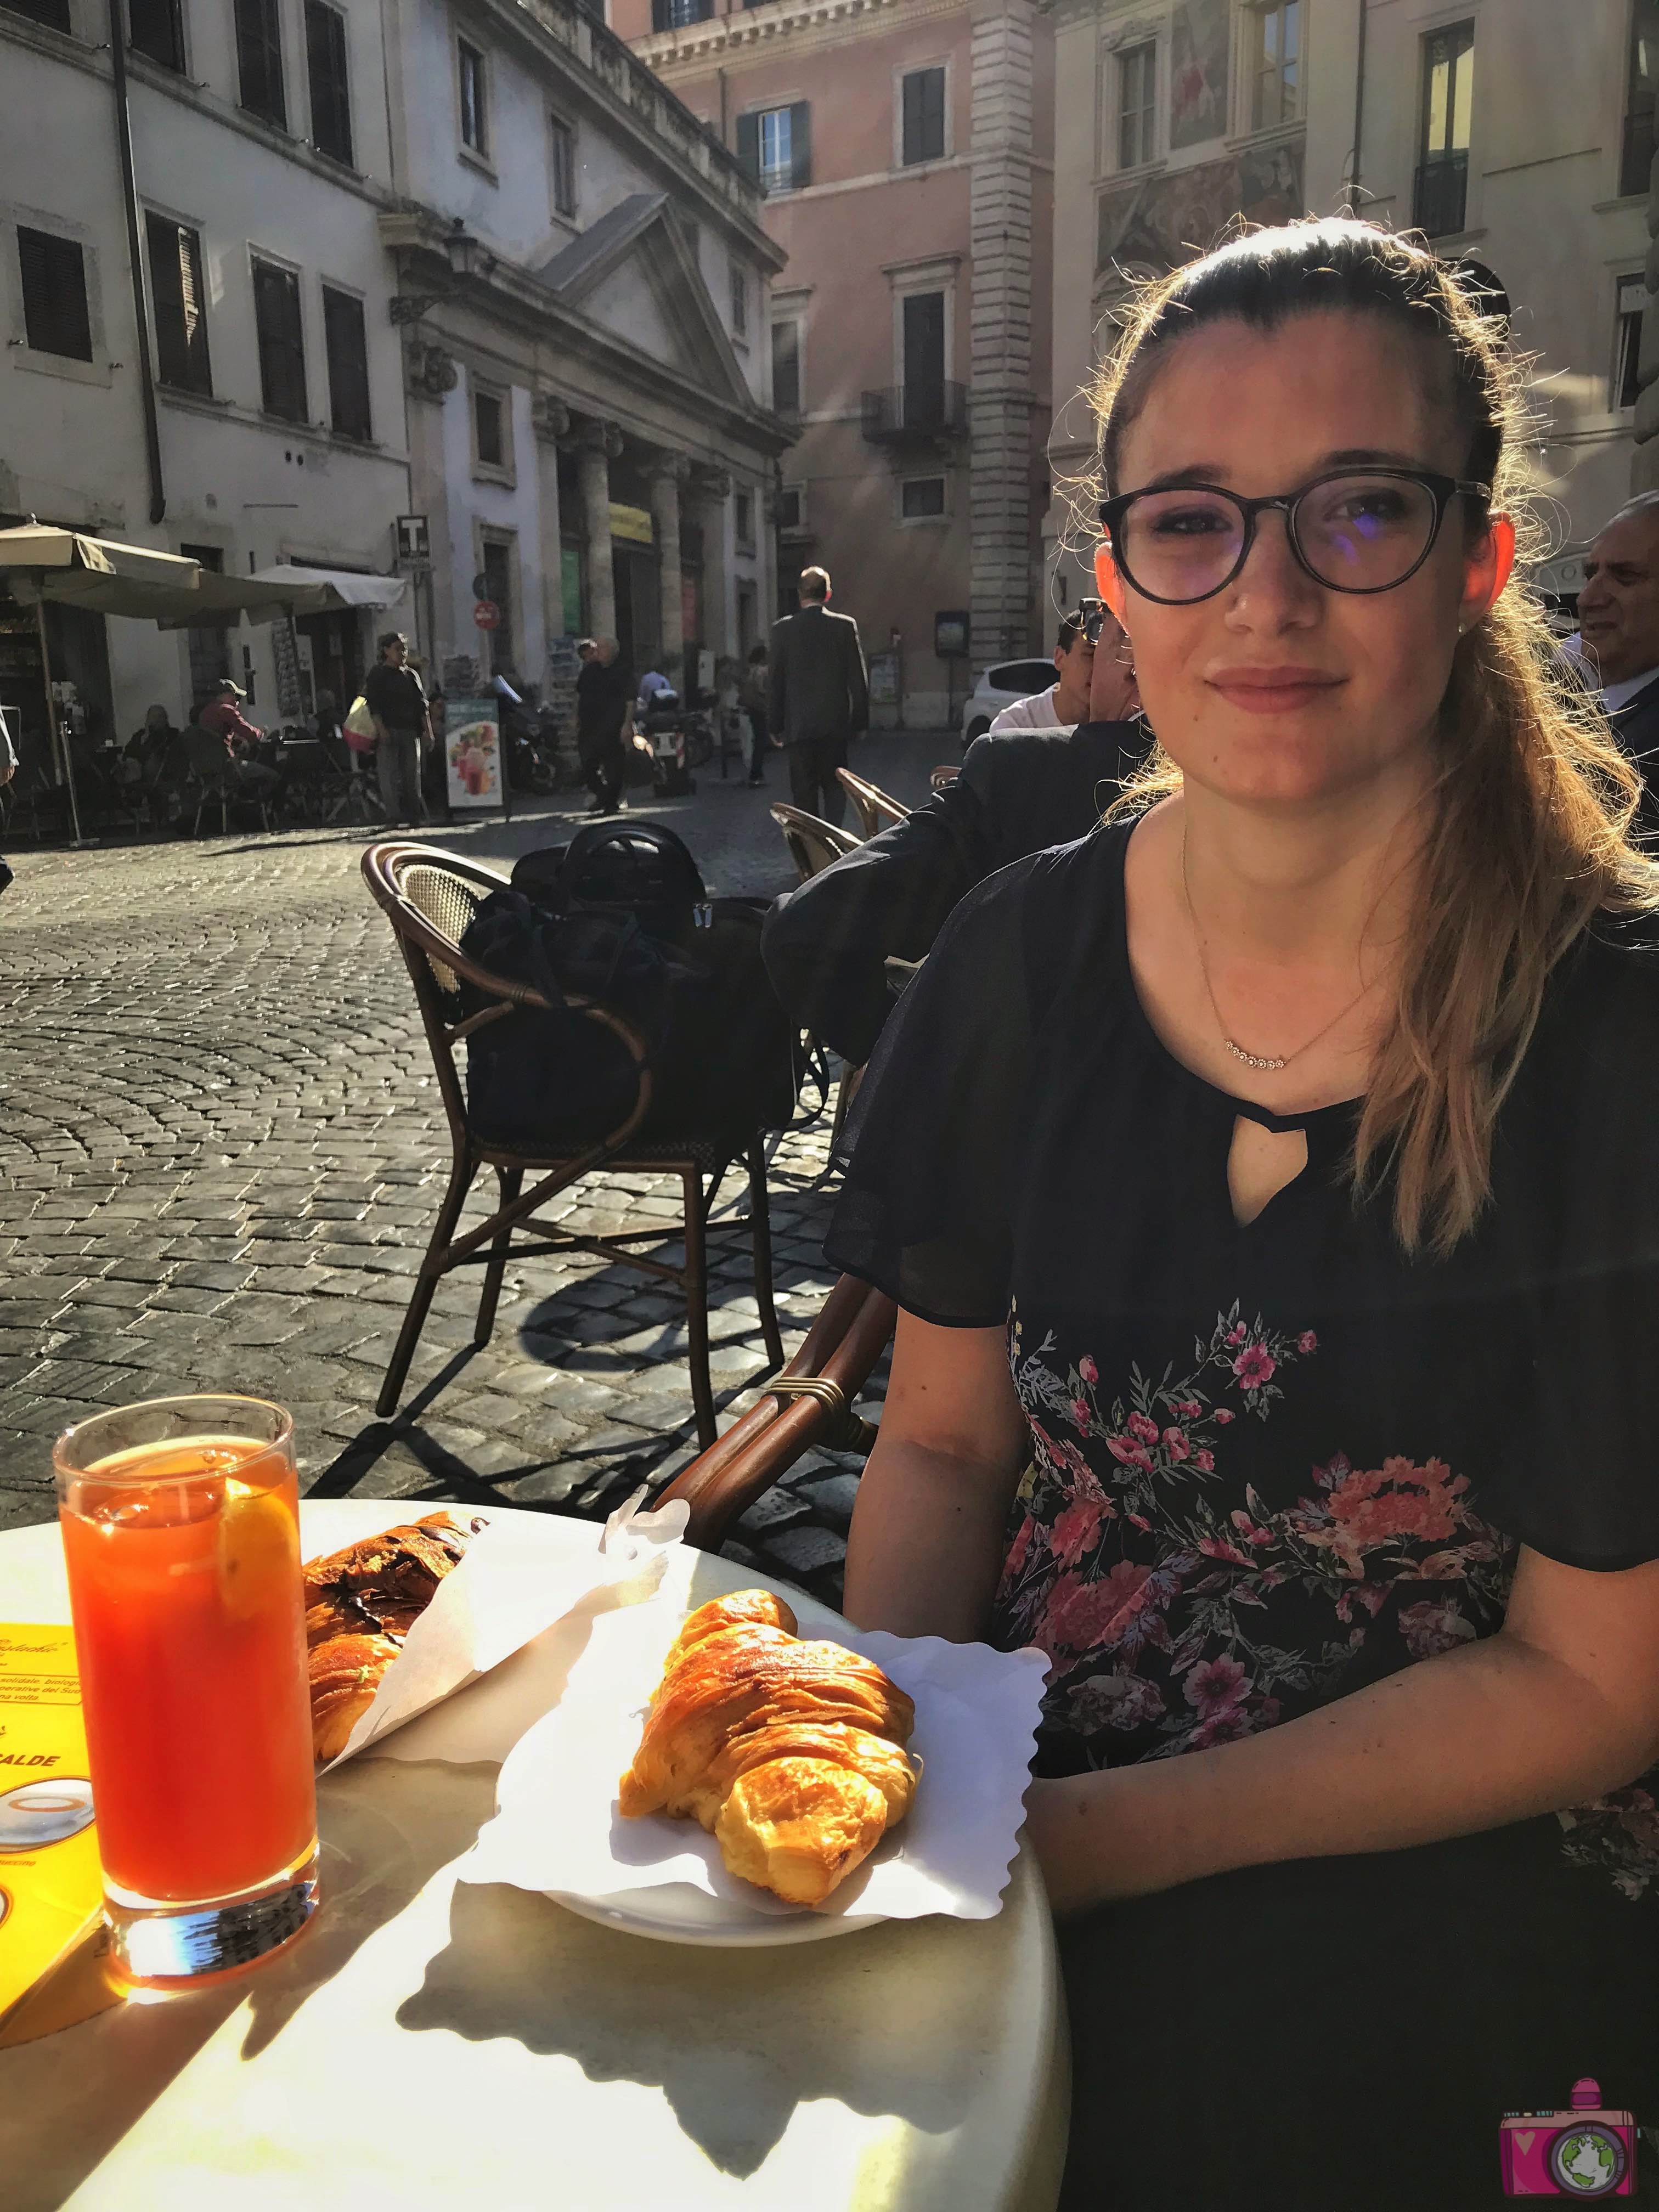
pixel 1054 892
pixel 1604 998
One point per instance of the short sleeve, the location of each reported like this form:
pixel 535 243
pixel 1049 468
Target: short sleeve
pixel 930 1156
pixel 1578 1478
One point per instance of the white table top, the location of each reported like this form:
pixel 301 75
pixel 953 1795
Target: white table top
pixel 436 2045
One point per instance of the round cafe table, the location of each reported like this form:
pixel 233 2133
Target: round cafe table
pixel 431 2044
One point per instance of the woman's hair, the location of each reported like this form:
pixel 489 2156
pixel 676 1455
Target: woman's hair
pixel 1534 798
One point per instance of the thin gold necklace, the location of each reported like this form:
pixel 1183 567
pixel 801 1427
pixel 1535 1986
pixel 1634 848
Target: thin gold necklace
pixel 1264 1063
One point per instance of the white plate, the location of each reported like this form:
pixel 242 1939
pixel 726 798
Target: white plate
pixel 675 1912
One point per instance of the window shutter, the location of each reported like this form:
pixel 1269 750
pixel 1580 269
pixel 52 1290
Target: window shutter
pixel 54 15
pixel 153 29
pixel 326 66
pixel 348 363
pixel 800 144
pixel 282 342
pixel 932 114
pixel 259 60
pixel 175 283
pixel 749 147
pixel 911 89
pixel 55 319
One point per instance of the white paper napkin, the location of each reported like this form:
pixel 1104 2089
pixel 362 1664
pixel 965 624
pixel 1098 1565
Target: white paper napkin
pixel 516 1577
pixel 557 1828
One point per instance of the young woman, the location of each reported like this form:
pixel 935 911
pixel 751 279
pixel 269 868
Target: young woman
pixel 1270 1185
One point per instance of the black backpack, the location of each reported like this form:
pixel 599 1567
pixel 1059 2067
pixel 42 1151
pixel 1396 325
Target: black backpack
pixel 621 916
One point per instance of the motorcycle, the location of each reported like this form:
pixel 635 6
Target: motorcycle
pixel 531 761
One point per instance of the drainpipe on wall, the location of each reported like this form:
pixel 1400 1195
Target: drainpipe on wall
pixel 158 498
pixel 1358 113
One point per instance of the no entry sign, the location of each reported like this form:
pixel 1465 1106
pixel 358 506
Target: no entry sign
pixel 487 615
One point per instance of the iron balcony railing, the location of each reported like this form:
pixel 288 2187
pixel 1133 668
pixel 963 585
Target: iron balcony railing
pixel 905 411
pixel 1441 195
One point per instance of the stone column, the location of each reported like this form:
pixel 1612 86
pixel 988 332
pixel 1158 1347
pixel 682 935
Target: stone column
pixel 671 471
pixel 552 421
pixel 713 490
pixel 431 375
pixel 594 471
pixel 1002 393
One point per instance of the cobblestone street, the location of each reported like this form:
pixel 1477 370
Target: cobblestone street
pixel 221 1151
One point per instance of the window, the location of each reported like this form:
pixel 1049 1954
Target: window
pixel 786 368
pixel 175 284
pixel 497 563
pixel 1641 84
pixel 475 122
pixel 282 342
pixel 1137 104
pixel 331 93
pixel 1442 172
pixel 208 646
pixel 921 499
pixel 259 60
pixel 562 158
pixel 775 147
pixel 792 507
pixel 740 300
pixel 679 14
pixel 155 29
pixel 52 15
pixel 922 101
pixel 923 331
pixel 347 346
pixel 56 316
pixel 492 434
pixel 1627 340
pixel 1275 65
pixel 742 509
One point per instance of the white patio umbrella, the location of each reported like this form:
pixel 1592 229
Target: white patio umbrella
pixel 100 572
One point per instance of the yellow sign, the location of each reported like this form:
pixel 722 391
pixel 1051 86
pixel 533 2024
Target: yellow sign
pixel 632 523
pixel 49 1880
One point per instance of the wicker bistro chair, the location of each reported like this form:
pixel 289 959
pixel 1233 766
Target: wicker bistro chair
pixel 809 1405
pixel 429 895
pixel 814 845
pixel 875 808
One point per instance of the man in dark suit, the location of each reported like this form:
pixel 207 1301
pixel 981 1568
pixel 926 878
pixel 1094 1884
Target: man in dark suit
pixel 1619 622
pixel 820 696
pixel 826 946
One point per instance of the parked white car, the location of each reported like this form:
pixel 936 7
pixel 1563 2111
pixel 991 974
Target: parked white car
pixel 1003 683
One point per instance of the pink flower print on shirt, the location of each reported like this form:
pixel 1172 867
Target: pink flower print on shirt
pixel 1255 1365
pixel 1434 1626
pixel 1129 1454
pixel 1204 1461
pixel 1175 1444
pixel 1093 1616
pixel 1143 1430
pixel 1088 1370
pixel 1080 1411
pixel 1077 1530
pixel 1236 1334
pixel 1307 1342
pixel 1223 1416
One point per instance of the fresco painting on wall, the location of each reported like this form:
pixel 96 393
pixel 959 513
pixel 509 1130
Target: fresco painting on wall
pixel 1198 35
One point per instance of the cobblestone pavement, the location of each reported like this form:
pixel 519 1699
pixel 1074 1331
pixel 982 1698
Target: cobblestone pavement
pixel 221 1151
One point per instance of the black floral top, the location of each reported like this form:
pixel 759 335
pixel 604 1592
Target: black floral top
pixel 1270 1463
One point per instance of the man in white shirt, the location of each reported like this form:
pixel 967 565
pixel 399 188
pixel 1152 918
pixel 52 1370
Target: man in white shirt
pixel 1065 703
pixel 1618 624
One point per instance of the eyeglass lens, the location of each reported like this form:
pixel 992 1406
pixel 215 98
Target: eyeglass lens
pixel 1358 533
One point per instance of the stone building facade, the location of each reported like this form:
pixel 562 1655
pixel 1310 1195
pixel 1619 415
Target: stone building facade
pixel 1518 136
pixel 903 147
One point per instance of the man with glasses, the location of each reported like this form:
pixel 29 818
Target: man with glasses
pixel 826 946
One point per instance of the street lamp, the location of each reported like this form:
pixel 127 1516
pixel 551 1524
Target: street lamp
pixel 462 249
pixel 465 257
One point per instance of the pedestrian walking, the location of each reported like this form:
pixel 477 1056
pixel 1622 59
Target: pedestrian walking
pixel 819 695
pixel 396 700
pixel 605 705
pixel 753 698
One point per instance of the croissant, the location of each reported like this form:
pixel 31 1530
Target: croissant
pixel 359 1605
pixel 790 1753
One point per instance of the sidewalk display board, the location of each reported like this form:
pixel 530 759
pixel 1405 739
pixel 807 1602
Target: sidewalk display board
pixel 472 753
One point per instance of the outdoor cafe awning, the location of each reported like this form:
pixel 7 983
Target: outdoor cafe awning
pixel 334 588
pixel 100 572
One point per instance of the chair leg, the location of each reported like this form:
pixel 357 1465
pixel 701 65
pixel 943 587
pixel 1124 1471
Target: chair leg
pixel 460 1181
pixel 512 1181
pixel 760 1230
pixel 696 1307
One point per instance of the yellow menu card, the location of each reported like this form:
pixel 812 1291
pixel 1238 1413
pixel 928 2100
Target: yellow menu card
pixel 49 1879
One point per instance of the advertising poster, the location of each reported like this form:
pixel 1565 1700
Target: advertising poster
pixel 472 753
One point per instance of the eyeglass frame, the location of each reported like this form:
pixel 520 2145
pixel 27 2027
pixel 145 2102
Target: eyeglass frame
pixel 1441 489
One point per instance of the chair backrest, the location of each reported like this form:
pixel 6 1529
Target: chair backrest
pixel 814 845
pixel 876 808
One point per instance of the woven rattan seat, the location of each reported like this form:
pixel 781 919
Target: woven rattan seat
pixel 429 896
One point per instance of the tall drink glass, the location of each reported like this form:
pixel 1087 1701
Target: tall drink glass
pixel 181 1531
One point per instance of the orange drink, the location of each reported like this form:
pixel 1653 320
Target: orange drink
pixel 180 1524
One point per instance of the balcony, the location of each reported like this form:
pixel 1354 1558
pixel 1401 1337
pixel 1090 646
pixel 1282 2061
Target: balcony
pixel 915 414
pixel 1441 192
pixel 1636 162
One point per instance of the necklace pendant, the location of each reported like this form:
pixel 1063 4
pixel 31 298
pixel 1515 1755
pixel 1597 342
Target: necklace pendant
pixel 1267 1064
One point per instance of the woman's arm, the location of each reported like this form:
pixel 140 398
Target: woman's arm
pixel 928 1529
pixel 1560 1706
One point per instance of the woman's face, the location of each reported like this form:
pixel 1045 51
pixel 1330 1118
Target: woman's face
pixel 1277 691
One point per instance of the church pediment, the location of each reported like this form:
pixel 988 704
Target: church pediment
pixel 632 274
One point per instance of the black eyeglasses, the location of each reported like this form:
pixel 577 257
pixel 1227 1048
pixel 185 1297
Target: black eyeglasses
pixel 1352 530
